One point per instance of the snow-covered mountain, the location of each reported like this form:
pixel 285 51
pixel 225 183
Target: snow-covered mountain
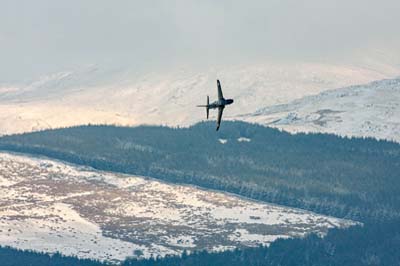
pixel 370 110
pixel 122 96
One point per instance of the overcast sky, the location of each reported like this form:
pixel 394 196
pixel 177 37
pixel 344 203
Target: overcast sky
pixel 50 35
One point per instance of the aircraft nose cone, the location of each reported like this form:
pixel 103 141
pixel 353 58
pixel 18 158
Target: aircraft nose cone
pixel 230 101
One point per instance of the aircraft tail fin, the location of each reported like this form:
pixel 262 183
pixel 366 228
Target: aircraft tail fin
pixel 208 104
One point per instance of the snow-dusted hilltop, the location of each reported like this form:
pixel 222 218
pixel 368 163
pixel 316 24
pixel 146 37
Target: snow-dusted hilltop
pixel 125 97
pixel 371 110
pixel 269 94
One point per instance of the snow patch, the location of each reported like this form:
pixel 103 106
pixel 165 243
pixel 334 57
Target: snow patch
pixel 223 141
pixel 58 227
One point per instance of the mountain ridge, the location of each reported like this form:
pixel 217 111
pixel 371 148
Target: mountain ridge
pixel 100 95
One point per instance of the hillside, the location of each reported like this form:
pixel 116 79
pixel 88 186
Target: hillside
pixel 370 110
pixel 351 178
pixel 123 96
pixel 50 206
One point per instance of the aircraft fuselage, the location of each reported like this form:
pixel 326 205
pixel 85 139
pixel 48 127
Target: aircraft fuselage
pixel 220 103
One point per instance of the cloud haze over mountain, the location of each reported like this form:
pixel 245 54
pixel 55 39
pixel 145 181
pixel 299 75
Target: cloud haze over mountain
pixel 38 37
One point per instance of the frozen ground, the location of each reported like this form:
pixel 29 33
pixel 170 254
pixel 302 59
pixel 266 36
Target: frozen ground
pixel 50 206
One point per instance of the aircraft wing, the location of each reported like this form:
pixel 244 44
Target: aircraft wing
pixel 220 96
pixel 220 110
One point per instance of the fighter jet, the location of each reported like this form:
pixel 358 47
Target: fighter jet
pixel 220 104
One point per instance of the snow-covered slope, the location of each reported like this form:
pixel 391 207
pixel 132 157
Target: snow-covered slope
pixel 370 110
pixel 50 206
pixel 125 97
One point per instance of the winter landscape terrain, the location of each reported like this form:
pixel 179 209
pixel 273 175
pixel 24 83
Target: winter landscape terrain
pixel 46 205
pixel 107 160
pixel 122 96
pixel 51 206
pixel 370 110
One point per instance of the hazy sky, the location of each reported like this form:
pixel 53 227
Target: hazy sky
pixel 50 35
